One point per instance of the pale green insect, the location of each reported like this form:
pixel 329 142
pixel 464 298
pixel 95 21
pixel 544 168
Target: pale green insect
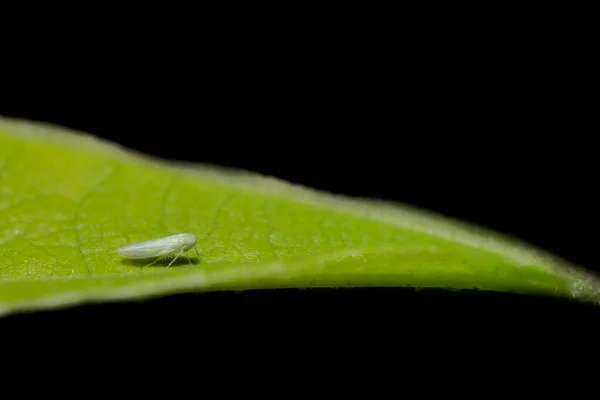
pixel 162 248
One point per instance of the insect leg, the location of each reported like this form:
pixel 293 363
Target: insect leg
pixel 175 258
pixel 158 258
pixel 187 254
pixel 196 250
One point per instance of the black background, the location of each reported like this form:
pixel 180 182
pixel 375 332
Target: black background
pixel 491 130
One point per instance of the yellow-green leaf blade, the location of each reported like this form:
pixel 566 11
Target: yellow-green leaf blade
pixel 68 201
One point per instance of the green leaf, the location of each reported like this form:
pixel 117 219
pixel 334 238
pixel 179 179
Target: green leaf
pixel 69 200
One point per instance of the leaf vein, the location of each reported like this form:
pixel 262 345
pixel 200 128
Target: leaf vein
pixel 77 215
pixel 218 212
pixel 163 204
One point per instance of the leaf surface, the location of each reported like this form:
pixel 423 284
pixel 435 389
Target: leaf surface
pixel 69 200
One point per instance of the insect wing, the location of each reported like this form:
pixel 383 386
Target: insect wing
pixel 150 248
